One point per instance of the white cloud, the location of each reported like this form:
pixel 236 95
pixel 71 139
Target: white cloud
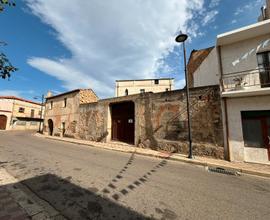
pixel 214 3
pixel 209 17
pixel 248 7
pixel 109 40
pixel 10 93
pixel 18 93
pixel 234 21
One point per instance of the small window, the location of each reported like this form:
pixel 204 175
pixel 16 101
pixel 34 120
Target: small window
pixel 126 92
pixel 65 103
pixel 39 113
pixel 51 105
pixel 32 113
pixel 142 90
pixel 156 81
pixel 21 110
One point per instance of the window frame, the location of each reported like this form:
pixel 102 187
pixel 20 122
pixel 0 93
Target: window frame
pixel 21 110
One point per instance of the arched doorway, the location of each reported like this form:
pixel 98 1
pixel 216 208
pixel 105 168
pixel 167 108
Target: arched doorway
pixel 3 122
pixel 50 126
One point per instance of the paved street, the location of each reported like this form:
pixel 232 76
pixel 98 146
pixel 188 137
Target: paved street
pixel 90 183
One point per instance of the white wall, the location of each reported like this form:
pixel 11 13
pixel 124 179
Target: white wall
pixel 241 56
pixel 236 142
pixel 134 86
pixel 207 73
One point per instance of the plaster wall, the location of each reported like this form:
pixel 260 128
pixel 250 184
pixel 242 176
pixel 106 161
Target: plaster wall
pixel 238 152
pixel 134 86
pixel 207 73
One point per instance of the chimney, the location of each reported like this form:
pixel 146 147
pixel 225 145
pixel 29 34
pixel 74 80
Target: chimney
pixel 265 12
pixel 267 9
pixel 49 94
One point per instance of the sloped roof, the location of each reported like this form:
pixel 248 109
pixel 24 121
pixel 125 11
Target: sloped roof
pixel 69 92
pixel 196 58
pixel 20 99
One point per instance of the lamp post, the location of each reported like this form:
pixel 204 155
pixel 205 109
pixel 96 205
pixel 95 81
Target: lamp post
pixel 181 38
pixel 41 111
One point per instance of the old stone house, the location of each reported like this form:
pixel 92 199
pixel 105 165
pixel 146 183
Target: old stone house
pixel 62 111
pixel 157 121
pixel 19 114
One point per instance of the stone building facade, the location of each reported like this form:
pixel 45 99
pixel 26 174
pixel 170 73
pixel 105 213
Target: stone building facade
pixel 62 111
pixel 157 121
pixel 19 114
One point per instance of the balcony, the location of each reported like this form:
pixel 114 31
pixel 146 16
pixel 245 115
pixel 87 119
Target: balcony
pixel 249 80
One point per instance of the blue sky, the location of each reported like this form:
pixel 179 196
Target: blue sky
pixel 60 46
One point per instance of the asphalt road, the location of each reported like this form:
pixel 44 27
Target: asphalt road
pixel 90 183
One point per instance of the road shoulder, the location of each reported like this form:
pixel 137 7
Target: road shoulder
pixel 221 166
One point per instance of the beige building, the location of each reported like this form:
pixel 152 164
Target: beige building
pixel 131 87
pixel 19 114
pixel 62 111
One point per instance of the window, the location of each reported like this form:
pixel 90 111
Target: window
pixel 32 113
pixel 142 90
pixel 264 68
pixel 65 103
pixel 21 110
pixel 126 92
pixel 51 105
pixel 156 81
pixel 256 128
pixel 39 113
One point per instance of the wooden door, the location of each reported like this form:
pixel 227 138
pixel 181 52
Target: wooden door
pixel 123 128
pixel 266 134
pixel 3 122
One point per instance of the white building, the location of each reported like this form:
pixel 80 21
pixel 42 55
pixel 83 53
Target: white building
pixel 130 87
pixel 240 63
pixel 244 60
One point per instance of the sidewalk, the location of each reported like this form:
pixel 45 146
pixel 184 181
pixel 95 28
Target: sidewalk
pixel 235 167
pixel 19 203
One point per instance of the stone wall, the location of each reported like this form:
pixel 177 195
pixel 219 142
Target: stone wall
pixel 161 121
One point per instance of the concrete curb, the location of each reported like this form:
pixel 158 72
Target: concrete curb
pixel 173 158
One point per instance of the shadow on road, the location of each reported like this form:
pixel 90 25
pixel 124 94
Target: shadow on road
pixel 74 202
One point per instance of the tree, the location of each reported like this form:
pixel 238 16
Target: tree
pixel 6 67
pixel 4 3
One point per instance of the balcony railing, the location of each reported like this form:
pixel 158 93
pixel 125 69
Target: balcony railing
pixel 249 79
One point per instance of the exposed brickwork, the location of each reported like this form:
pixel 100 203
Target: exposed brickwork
pixel 87 96
pixel 161 121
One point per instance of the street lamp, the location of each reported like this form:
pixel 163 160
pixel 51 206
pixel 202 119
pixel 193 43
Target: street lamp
pixel 181 38
pixel 41 110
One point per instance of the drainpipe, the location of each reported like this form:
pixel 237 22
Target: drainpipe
pixel 224 106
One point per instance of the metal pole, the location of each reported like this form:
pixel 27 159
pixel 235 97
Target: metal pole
pixel 42 100
pixel 187 98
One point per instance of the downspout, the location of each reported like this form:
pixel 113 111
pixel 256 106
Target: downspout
pixel 225 104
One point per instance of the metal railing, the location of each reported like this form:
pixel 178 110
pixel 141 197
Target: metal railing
pixel 249 79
